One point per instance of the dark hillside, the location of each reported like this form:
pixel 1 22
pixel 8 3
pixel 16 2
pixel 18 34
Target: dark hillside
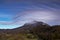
pixel 34 31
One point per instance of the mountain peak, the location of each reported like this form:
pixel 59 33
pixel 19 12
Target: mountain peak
pixel 35 23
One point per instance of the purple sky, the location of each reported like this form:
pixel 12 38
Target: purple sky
pixel 15 13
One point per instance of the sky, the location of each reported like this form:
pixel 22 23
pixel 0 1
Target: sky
pixel 15 13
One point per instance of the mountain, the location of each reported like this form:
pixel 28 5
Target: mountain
pixel 32 31
pixel 29 26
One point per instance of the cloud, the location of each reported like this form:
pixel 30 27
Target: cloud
pixel 5 22
pixel 29 10
pixel 39 15
pixel 4 15
pixel 6 19
pixel 47 16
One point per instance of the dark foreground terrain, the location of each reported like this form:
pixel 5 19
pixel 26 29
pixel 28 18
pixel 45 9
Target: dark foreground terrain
pixel 35 31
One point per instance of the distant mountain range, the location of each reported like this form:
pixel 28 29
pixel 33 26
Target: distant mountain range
pixel 40 30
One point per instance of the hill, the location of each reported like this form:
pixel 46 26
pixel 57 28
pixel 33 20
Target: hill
pixel 32 31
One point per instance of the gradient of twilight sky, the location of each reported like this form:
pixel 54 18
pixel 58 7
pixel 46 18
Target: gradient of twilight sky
pixel 15 13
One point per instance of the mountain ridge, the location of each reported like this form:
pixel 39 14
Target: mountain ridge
pixel 39 30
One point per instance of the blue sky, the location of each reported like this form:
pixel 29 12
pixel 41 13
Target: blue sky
pixel 15 13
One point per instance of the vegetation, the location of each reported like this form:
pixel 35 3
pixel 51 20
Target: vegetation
pixel 36 31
